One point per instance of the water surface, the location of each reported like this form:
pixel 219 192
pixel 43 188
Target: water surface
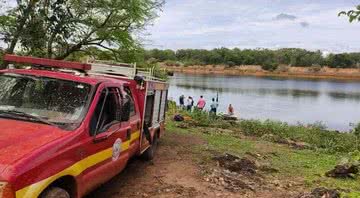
pixel 335 103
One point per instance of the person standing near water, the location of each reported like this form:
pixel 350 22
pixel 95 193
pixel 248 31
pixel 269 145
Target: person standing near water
pixel 213 107
pixel 189 103
pixel 201 103
pixel 181 101
pixel 230 110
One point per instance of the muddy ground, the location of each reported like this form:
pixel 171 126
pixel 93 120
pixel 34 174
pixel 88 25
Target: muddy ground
pixel 178 171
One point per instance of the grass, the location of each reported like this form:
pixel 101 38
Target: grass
pixel 315 135
pixel 307 166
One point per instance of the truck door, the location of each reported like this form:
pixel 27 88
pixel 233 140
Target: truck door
pixel 134 122
pixel 107 141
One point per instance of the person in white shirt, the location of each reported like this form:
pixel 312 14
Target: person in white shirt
pixel 189 103
pixel 213 107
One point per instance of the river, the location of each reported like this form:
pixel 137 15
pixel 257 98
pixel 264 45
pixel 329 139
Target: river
pixel 334 103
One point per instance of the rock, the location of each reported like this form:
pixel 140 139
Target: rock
pixel 325 193
pixel 320 193
pixel 343 171
pixel 229 117
pixel 178 118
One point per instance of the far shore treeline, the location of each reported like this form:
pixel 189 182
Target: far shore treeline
pixel 267 58
pixel 264 57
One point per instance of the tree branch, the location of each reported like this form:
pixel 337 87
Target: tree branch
pixel 85 40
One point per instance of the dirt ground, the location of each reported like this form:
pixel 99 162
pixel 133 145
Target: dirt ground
pixel 176 172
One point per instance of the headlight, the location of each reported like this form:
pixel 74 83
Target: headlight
pixel 6 191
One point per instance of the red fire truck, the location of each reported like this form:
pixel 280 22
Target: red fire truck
pixel 68 127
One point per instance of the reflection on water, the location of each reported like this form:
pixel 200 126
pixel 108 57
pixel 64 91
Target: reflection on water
pixel 279 92
pixel 260 91
pixel 336 103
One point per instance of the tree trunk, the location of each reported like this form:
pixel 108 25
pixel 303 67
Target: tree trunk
pixel 19 28
pixel 73 49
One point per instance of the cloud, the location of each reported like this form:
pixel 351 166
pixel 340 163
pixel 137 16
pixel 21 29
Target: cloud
pixel 251 24
pixel 283 16
pixel 304 24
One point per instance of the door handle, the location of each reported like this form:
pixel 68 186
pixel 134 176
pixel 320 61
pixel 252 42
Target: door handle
pixel 128 134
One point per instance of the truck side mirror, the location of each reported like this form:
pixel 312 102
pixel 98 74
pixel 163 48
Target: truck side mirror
pixel 125 113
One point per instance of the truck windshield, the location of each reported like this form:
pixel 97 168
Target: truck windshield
pixel 45 100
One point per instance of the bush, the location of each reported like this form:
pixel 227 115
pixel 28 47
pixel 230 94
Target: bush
pixel 270 66
pixel 356 129
pixel 230 64
pixel 172 63
pixel 152 61
pixel 315 68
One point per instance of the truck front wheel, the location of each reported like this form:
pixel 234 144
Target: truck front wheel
pixel 149 154
pixel 55 192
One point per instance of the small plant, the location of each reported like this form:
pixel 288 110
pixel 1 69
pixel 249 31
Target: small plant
pixel 356 132
pixel 318 125
pixel 356 129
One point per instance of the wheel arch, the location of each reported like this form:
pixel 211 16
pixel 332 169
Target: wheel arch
pixel 66 182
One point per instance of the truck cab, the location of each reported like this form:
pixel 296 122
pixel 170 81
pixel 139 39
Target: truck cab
pixel 66 130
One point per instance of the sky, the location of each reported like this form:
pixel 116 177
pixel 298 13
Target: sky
pixel 207 24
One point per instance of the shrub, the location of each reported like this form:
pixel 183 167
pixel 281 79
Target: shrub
pixel 270 66
pixel 230 64
pixel 172 63
pixel 356 130
pixel 315 68
pixel 152 61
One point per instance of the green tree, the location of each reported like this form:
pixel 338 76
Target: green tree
pixel 59 28
pixel 354 15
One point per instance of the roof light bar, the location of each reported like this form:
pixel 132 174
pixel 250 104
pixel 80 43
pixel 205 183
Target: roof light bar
pixel 47 62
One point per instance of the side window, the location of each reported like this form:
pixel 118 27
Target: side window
pixel 107 111
pixel 130 98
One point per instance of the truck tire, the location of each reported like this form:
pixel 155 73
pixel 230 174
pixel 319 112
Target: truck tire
pixel 149 154
pixel 55 192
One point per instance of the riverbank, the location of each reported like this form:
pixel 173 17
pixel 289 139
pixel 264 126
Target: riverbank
pixel 202 157
pixel 282 71
pixel 290 160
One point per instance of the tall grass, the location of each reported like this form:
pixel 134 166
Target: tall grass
pixel 316 135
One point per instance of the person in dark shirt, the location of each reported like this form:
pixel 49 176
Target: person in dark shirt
pixel 181 101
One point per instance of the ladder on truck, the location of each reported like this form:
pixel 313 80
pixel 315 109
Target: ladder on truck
pixel 110 68
pixel 99 67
